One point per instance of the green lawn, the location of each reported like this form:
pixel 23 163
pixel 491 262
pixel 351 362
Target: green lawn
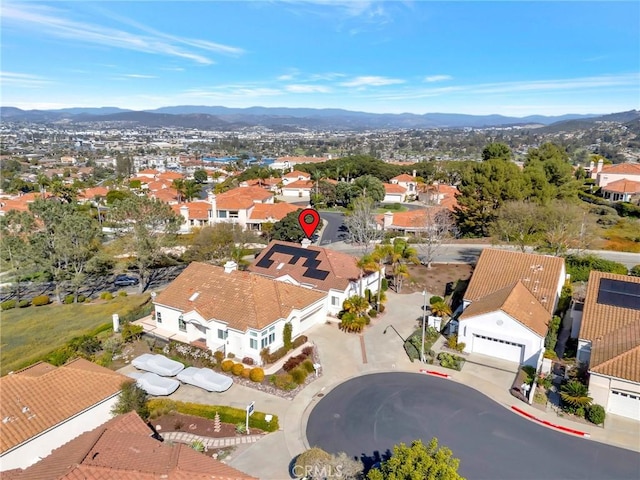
pixel 28 334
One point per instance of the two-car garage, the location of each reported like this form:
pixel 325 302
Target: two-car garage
pixel 495 347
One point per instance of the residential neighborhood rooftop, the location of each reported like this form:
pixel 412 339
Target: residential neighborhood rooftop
pixel 241 299
pixel 41 396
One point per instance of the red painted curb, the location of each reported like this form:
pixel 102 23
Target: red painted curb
pixel 549 424
pixel 433 372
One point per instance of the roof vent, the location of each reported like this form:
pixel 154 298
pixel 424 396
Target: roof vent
pixel 279 267
pixel 194 296
pixel 305 243
pixel 230 266
pixel 6 419
pixel 25 409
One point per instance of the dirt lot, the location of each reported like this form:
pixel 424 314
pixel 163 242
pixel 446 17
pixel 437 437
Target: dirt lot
pixel 435 280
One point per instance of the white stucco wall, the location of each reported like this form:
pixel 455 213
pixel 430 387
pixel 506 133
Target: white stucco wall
pixel 510 330
pixel 296 193
pixel 41 446
pixel 605 178
pixel 393 197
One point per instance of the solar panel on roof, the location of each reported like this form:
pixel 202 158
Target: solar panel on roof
pixel 316 274
pixel 619 293
pixel 311 263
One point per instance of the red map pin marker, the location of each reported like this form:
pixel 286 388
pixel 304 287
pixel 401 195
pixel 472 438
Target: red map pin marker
pixel 309 219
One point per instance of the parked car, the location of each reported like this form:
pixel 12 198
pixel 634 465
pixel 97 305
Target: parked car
pixel 125 281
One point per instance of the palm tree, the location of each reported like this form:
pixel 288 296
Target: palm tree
pixel 179 185
pixel 440 309
pixel 356 305
pixel 380 255
pixel 401 253
pixel 575 394
pixel 366 264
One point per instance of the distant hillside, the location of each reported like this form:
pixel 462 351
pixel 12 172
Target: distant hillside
pixel 280 119
pixel 581 124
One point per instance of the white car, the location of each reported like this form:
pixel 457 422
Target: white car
pixel 206 379
pixel 158 364
pixel 155 384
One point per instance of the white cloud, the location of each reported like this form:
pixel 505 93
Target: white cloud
pixel 138 75
pixel 307 88
pixel 53 22
pixel 285 78
pixel 437 78
pixel 24 80
pixel 371 81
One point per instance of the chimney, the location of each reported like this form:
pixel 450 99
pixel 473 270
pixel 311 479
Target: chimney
pixel 413 174
pixel 591 166
pixel 388 220
pixel 305 243
pixel 116 322
pixel 230 266
pixel 184 211
pixel 600 163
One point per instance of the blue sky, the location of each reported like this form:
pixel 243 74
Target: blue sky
pixel 510 58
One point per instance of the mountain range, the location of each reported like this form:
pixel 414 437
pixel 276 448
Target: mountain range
pixel 292 119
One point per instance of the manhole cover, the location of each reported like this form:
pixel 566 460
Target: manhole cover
pixel 320 395
pixel 336 415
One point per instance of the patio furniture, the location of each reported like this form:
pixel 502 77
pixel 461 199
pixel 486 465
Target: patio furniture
pixel 158 364
pixel 154 384
pixel 206 379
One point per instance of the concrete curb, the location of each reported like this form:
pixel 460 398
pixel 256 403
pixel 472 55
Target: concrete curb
pixel 436 374
pixel 549 424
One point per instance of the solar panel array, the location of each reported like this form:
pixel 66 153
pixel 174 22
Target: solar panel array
pixel 296 253
pixel 618 293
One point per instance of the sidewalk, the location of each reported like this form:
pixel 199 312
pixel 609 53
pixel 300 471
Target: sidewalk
pixel 342 358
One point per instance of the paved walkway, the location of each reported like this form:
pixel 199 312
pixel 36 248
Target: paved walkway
pixel 210 442
pixel 341 355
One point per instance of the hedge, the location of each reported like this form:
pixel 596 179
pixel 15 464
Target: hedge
pixel 8 305
pixel 579 267
pixel 227 414
pixel 40 300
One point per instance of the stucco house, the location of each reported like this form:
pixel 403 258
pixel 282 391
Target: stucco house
pixel 509 303
pixel 609 342
pixel 43 407
pixel 196 214
pixel 394 193
pixel 622 190
pixel 235 205
pixel 607 174
pixel 234 311
pixel 125 447
pixel 299 189
pixel 316 268
pixel 408 182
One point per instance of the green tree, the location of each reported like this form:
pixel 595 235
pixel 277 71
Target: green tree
pixel 288 229
pixel 200 176
pixel 145 228
pixel 418 462
pixel 401 254
pixel 483 189
pixel 496 150
pixel 132 398
pixel 575 394
pixel 345 193
pixel 370 187
pixel 124 166
pixel 519 223
pixel 554 162
pixel 16 253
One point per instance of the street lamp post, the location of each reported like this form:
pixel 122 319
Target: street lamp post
pixel 404 340
pixel 424 316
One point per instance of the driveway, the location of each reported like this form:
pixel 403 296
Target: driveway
pixel 366 416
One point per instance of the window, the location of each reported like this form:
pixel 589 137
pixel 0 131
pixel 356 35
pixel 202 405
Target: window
pixel 222 214
pixel 253 343
pixel 268 337
pixel 158 317
pixel 335 301
pixel 222 334
pixel 233 214
pixel 182 325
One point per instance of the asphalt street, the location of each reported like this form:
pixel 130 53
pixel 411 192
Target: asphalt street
pixel 366 416
pixel 335 231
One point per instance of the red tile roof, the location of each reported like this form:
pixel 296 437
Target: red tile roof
pixel 123 448
pixel 299 184
pixel 622 169
pixel 50 395
pixel 272 211
pixel 197 210
pixel 241 299
pixel 497 269
pixel 296 174
pixel 622 186
pixel 241 198
pixel 403 177
pixel 342 268
pixel 394 188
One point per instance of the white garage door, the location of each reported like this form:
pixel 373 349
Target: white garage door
pixel 495 347
pixel 624 404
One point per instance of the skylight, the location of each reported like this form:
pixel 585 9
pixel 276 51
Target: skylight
pixel 194 296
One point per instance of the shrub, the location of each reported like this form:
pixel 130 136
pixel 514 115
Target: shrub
pixel 284 381
pixel 382 307
pixel 435 299
pixel 452 342
pixel 122 293
pixel 293 362
pixel 197 445
pixel 245 372
pixel 219 356
pixel 461 346
pixel 24 303
pixel 231 355
pixel 227 365
pixel 256 375
pixel 40 300
pixel 277 355
pixel 596 414
pixel 308 366
pixel 384 284
pixel 373 313
pixel 311 458
pixel 635 271
pixel 450 361
pixel 237 369
pixel 286 335
pixel 68 299
pixel 112 344
pixel 131 332
pixel 241 428
pixel 530 372
pixel 308 351
pixel 579 267
pixel 299 341
pixel 247 361
pixel 8 305
pixel 299 375
pixel 227 414
pixel 82 299
pixel 106 296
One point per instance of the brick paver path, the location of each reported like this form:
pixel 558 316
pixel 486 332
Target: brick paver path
pixel 210 442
